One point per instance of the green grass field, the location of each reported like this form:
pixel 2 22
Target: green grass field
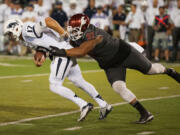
pixel 24 93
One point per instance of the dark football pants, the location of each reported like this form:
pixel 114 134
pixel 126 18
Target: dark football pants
pixel 135 60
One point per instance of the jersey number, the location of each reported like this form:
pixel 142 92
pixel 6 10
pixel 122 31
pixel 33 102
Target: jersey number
pixel 29 29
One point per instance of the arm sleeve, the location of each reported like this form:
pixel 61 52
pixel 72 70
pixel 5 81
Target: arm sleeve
pixel 171 20
pixel 127 18
pixel 172 17
pixel 39 28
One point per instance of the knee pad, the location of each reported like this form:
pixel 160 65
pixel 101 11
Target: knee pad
pixel 156 68
pixel 125 93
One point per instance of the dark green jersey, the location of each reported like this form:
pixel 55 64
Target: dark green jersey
pixel 109 52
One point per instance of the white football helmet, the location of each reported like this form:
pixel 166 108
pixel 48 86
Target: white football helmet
pixel 13 28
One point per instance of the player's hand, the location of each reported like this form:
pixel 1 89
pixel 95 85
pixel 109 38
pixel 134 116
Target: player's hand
pixel 39 58
pixel 57 52
pixel 99 39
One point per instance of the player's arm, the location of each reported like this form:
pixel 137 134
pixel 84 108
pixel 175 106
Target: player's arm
pixel 53 24
pixel 84 48
pixel 80 51
pixel 48 22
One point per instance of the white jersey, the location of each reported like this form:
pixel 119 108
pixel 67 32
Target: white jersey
pixel 36 36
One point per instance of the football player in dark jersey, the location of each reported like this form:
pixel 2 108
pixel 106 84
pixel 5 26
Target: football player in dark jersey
pixel 114 56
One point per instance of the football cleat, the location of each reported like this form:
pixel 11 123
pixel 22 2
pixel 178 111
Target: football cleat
pixel 145 118
pixel 105 111
pixel 172 73
pixel 84 111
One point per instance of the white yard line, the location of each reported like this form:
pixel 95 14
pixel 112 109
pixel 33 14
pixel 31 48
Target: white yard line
pixel 146 133
pixel 12 65
pixel 76 111
pixel 164 88
pixel 45 74
pixel 24 76
pixel 72 128
pixel 16 57
pixel 26 81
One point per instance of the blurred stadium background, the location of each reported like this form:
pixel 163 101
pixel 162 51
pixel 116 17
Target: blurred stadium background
pixel 28 107
pixel 131 20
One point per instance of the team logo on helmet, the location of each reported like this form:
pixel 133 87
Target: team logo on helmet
pixel 77 26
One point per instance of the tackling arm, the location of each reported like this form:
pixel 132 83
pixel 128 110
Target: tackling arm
pixel 84 48
pixel 80 51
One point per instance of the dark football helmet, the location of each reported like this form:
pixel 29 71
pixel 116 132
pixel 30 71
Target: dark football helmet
pixel 77 24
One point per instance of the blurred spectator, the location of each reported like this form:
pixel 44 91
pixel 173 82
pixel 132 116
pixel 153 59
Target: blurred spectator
pixel 175 15
pixel 39 9
pixel 73 9
pixel 15 10
pixel 3 7
pixel 107 9
pixel 29 14
pixel 171 4
pixel 143 9
pixel 160 3
pixel 150 15
pixel 118 21
pixel 81 4
pixel 135 21
pixel 59 15
pixel 116 3
pixel 112 13
pixel 47 4
pixel 144 6
pixel 100 20
pixel 91 9
pixel 162 26
pixel 137 3
pixel 101 3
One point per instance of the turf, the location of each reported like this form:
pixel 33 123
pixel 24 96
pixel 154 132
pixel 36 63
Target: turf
pixel 28 97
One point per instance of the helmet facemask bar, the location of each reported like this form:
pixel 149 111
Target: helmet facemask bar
pixel 76 32
pixel 11 36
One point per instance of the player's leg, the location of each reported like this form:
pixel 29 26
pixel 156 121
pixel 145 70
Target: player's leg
pixel 59 70
pixel 156 47
pixel 76 78
pixel 116 77
pixel 139 62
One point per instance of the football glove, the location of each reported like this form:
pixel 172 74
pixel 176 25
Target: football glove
pixel 57 52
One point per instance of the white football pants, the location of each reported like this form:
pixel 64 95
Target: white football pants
pixel 61 68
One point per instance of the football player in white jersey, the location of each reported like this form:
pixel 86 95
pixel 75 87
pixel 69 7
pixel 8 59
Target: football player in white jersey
pixel 41 37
